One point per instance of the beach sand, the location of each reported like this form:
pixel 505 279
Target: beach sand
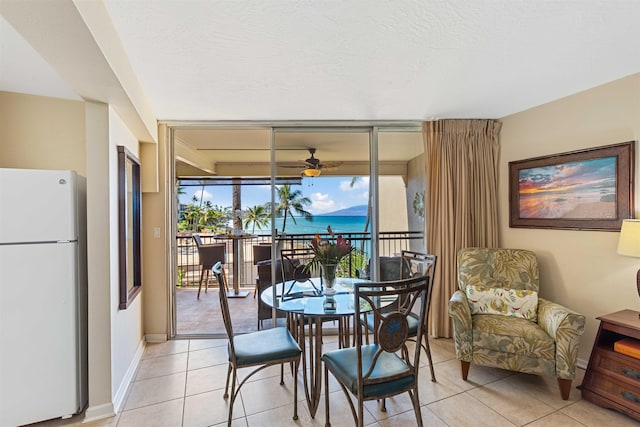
pixel 599 210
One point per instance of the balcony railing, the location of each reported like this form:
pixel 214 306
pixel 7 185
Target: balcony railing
pixel 391 243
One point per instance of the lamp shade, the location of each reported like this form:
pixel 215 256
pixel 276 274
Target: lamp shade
pixel 629 243
pixel 311 172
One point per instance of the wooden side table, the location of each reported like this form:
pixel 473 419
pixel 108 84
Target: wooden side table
pixel 612 380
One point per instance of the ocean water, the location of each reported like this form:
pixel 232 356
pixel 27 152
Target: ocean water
pixel 318 224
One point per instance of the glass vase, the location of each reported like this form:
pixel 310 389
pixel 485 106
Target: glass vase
pixel 328 272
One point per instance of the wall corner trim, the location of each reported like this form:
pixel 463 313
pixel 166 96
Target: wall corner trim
pixel 156 338
pixel 98 412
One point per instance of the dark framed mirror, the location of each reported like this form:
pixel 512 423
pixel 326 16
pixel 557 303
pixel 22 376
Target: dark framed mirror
pixel 129 226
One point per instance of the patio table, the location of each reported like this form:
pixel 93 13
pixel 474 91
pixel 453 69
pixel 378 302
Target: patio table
pixel 303 303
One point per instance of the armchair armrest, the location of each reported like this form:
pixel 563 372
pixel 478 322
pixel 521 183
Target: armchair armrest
pixel 460 313
pixel 565 327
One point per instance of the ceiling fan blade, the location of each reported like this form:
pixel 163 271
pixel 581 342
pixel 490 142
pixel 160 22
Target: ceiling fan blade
pixel 330 165
pixel 292 166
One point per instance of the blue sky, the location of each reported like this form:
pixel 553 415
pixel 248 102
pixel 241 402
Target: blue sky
pixel 327 194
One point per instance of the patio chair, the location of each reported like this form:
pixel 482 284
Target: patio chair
pixel 380 370
pixel 264 282
pixel 208 256
pixel 261 252
pixel 275 346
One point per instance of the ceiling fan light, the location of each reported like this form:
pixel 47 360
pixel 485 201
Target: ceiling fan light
pixel 311 172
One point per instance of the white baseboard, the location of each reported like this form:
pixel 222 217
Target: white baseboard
pixel 118 399
pixel 156 338
pixel 99 412
pixel 582 363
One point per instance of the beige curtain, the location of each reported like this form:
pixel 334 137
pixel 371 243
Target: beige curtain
pixel 461 201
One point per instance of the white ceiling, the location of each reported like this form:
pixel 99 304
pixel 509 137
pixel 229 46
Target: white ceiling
pixel 354 60
pixel 372 60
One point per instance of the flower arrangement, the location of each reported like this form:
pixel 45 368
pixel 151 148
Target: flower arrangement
pixel 329 252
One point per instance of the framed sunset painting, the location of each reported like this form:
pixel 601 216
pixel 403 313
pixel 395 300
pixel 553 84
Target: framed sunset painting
pixel 588 189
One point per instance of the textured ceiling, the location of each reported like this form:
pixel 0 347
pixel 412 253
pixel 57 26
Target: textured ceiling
pixel 331 60
pixel 371 60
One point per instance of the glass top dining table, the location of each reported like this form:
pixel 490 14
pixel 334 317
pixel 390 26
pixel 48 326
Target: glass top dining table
pixel 306 297
pixel 303 302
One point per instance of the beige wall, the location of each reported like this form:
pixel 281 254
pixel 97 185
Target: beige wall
pixel 49 133
pixel 415 184
pixel 393 203
pixel 38 132
pixel 155 271
pixel 579 269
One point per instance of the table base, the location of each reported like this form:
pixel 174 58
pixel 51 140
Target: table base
pixel 312 377
pixel 240 294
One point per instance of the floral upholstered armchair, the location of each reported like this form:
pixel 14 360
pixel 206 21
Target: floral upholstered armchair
pixel 499 321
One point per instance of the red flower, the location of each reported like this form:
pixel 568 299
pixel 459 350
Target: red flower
pixel 329 252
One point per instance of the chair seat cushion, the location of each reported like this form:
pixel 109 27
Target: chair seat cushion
pixel 412 319
pixel 264 346
pixel 511 335
pixel 343 362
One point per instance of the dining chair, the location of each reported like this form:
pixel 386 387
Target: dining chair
pixel 294 264
pixel 389 269
pixel 420 264
pixel 380 370
pixel 268 347
pixel 413 264
pixel 208 255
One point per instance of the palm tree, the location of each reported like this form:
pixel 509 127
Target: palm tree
pixel 237 205
pixel 291 199
pixel 179 192
pixel 192 215
pixel 210 216
pixel 256 215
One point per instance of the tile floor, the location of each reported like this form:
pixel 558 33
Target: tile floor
pixel 181 382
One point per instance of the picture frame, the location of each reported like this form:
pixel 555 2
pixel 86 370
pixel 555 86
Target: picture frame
pixel 590 189
pixel 129 226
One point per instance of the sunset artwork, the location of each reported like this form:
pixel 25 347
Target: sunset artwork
pixel 574 190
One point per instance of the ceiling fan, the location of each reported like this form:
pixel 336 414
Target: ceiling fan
pixel 313 166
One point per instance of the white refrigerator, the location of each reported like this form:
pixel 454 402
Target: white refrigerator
pixel 43 295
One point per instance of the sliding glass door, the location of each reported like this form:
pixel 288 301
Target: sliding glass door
pixel 248 187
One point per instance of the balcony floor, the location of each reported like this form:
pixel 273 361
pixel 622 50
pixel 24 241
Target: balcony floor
pixel 202 316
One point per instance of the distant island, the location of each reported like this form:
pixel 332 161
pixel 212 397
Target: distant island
pixel 359 210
